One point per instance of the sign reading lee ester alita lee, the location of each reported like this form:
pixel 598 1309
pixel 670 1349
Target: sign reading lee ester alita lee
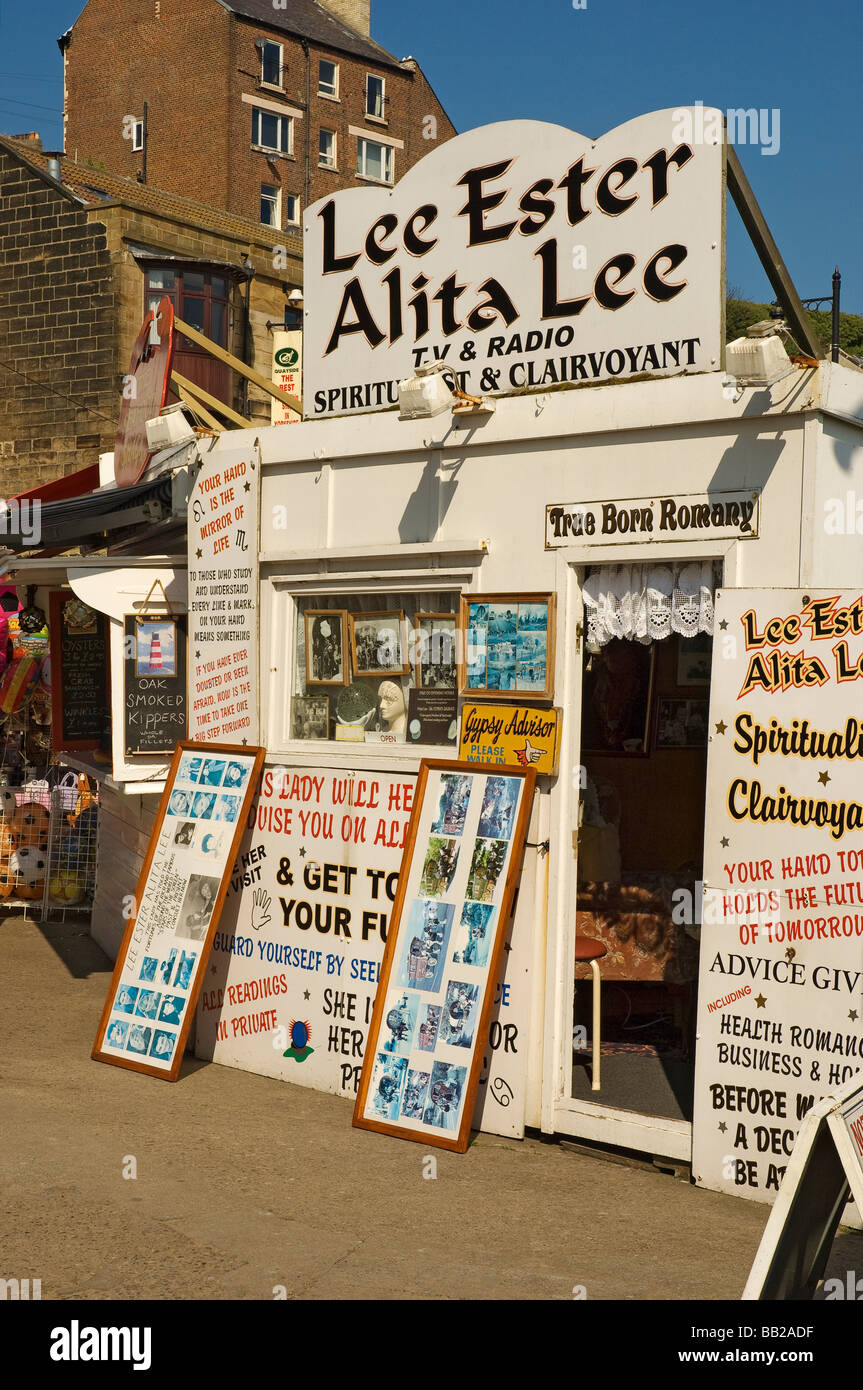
pixel 223 598
pixel 524 256
pixel 160 966
pixel 780 1010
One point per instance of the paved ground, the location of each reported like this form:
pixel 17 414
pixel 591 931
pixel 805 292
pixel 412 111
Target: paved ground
pixel 244 1183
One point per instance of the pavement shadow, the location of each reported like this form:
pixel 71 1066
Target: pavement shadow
pixel 72 943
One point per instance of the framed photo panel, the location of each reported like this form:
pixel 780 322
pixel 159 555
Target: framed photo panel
pixel 435 639
pixel 444 948
pixel 507 645
pixel 327 661
pixel 160 966
pixel 681 724
pixel 378 646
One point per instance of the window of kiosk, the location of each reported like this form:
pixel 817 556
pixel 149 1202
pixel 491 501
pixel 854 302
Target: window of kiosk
pixel 376 668
pixel 644 734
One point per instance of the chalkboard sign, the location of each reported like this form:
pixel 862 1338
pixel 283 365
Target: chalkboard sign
pixel 80 686
pixel 154 684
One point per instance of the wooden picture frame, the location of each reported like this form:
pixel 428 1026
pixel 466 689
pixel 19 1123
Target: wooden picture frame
pixel 161 964
pixel 79 712
pixel 302 705
pixel 681 723
pixel 155 701
pixel 387 621
pixel 445 942
pixel 448 621
pixel 321 669
pixel 621 666
pixel 507 646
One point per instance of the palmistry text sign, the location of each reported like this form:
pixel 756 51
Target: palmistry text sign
pixel 434 1002
pixel 160 967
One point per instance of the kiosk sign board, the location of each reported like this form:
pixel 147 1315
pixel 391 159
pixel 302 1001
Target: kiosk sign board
pixel 223 597
pixel 524 256
pixel 780 1010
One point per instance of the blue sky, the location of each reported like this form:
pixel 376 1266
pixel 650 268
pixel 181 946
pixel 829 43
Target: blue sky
pixel 593 68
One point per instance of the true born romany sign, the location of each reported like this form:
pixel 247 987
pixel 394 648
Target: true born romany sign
pixel 223 597
pixel 719 516
pixel 780 1009
pixel 525 256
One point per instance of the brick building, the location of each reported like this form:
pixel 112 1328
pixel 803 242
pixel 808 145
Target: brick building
pixel 83 254
pixel 256 106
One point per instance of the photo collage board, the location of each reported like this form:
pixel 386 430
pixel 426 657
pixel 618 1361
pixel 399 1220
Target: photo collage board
pixel 376 668
pixel 159 969
pixel 444 946
pixel 509 642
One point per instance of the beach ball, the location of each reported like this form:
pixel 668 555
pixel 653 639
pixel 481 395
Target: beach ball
pixel 29 866
pixel 29 825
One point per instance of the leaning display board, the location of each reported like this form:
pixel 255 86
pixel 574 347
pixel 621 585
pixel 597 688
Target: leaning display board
pixel 155 711
pixel 159 970
pixel 827 1162
pixel 434 1002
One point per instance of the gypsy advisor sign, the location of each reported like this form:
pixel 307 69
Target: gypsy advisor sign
pixel 780 1012
pixel 523 255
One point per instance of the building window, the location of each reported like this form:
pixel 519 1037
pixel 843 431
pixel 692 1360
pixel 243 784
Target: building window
pixel 199 297
pixel 292 210
pixel 272 132
pixel 271 198
pixel 328 79
pixel 383 664
pixel 271 64
pixel 327 149
pixel 138 137
pixel 374 161
pixel 375 98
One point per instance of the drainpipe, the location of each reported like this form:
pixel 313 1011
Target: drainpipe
pixel 144 150
pixel 307 181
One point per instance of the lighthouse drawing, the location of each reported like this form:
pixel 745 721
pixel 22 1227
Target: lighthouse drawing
pixel 157 649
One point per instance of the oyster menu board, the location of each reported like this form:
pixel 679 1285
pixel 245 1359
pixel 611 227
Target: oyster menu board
pixel 80 679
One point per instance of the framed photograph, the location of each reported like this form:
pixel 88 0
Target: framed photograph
pixel 162 961
pixel 310 716
pixel 378 646
pixel 616 699
pixel 156 647
pixel 507 645
pixel 326 647
pixel 682 724
pixel 435 999
pixel 435 636
pixel 694 657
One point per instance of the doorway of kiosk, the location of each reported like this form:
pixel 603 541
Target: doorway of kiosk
pixel 644 736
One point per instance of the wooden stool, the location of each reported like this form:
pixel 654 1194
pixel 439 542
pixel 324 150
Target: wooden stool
pixel 586 949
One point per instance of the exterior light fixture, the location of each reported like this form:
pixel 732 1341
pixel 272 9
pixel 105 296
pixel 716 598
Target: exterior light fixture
pixel 434 389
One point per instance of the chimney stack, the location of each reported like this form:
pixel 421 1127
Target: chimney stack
pixel 355 13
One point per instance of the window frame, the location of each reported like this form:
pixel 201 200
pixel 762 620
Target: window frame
pixel 276 202
pixel 370 114
pixel 289 221
pixel 322 164
pixel 258 113
pixel 389 161
pixel 334 94
pixel 272 86
pixel 178 294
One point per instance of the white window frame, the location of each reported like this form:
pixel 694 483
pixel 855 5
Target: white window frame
pixel 277 204
pixel 279 595
pixel 293 221
pixel 389 160
pixel 138 137
pixel 326 164
pixel 271 43
pixel 334 94
pixel 257 113
pixel 373 115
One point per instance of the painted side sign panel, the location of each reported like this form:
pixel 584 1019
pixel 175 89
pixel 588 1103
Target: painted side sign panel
pixel 525 256
pixel 780 1009
pixel 510 736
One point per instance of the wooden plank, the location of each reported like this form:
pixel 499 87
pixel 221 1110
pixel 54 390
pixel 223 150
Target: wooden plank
pixel 194 389
pixel 768 253
pixel 248 372
pixel 195 406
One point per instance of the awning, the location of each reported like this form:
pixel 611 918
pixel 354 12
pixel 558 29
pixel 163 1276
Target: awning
pixel 40 520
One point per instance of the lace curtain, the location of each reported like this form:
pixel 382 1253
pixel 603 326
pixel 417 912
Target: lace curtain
pixel 646 603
